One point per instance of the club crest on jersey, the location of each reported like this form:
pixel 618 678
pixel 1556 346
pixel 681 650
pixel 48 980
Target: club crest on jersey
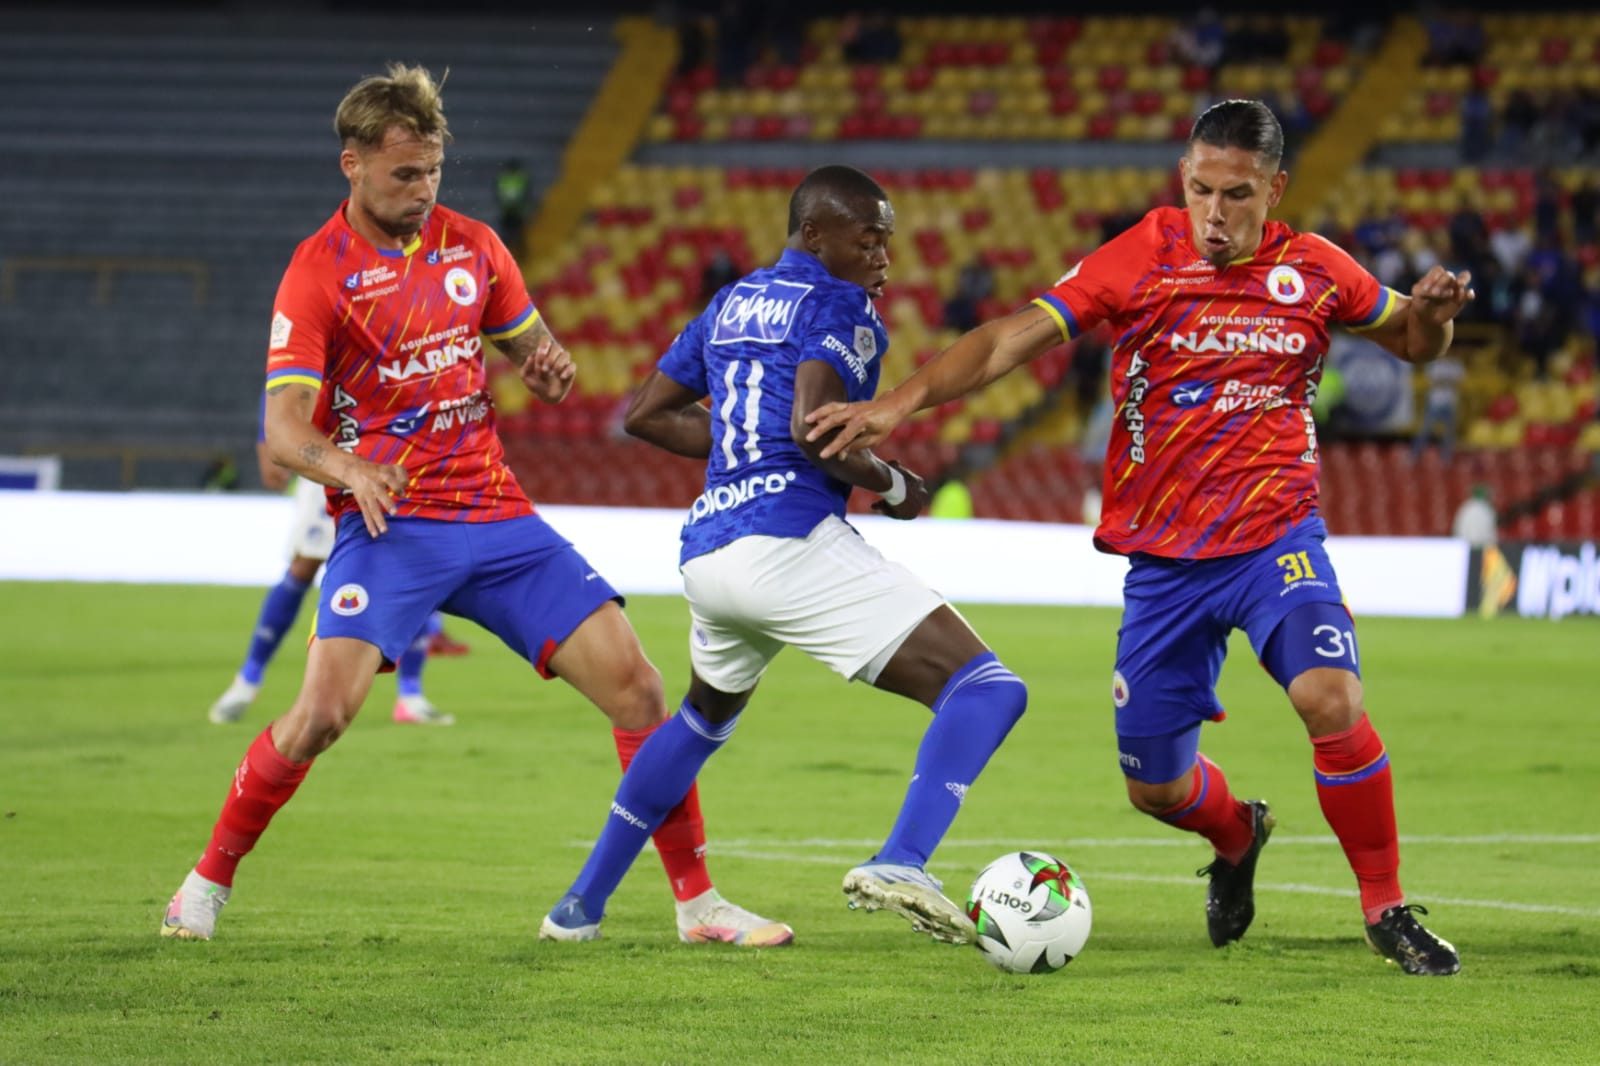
pixel 1285 285
pixel 461 286
pixel 759 312
pixel 348 600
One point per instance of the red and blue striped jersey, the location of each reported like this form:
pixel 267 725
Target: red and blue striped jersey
pixel 393 341
pixel 1213 449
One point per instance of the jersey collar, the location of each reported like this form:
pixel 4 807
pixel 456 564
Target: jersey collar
pixel 388 253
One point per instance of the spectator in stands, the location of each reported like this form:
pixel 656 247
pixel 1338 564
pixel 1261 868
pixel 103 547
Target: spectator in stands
pixel 1440 407
pixel 1585 206
pixel 1475 521
pixel 1537 324
pixel 1477 125
pixel 511 186
pixel 869 38
pixel 1469 237
pixel 974 285
pixel 221 476
pixel 737 41
pixel 1517 119
pixel 1199 43
pixel 720 270
pixel 1454 40
pixel 1546 206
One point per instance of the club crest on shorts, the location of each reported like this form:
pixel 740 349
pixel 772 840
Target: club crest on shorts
pixel 1119 689
pixel 348 600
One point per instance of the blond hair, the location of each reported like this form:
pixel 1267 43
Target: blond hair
pixel 406 97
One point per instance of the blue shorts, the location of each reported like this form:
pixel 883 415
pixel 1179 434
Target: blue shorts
pixel 1176 619
pixel 518 578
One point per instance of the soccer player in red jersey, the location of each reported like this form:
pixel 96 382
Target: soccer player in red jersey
pixel 1221 322
pixel 376 388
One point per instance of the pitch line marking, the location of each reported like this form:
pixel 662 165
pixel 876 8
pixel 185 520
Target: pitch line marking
pixel 726 851
pixel 1187 841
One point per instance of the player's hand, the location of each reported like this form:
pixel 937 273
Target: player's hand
pixel 1438 296
pixel 549 371
pixel 859 425
pixel 374 486
pixel 916 500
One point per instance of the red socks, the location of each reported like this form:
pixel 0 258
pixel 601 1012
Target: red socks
pixel 1212 811
pixel 263 782
pixel 1357 796
pixel 681 837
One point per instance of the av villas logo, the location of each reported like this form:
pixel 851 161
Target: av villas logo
pixel 759 312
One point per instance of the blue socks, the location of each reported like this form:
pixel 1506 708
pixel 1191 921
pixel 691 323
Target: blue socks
pixel 979 705
pixel 657 779
pixel 408 671
pixel 277 616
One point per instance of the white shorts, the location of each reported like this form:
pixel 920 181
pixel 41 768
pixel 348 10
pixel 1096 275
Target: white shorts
pixel 831 594
pixel 312 533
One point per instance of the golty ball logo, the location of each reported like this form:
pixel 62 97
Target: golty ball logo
pixel 1285 285
pixel 461 286
pixel 348 600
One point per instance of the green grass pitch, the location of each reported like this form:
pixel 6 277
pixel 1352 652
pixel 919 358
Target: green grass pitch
pixel 388 915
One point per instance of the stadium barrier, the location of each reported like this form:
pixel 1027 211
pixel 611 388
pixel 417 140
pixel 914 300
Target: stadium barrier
pixel 196 538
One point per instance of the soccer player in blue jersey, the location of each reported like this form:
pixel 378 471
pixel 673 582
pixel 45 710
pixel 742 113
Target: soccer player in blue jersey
pixel 768 559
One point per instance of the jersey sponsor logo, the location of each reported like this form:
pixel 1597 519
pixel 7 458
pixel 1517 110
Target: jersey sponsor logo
pixel 461 412
pixel 448 255
pixel 1555 583
pixel 1285 285
pixel 361 279
pixel 348 433
pixel 406 423
pixel 843 351
pixel 1120 692
pixel 1133 406
pixel 1191 393
pixel 461 286
pixel 738 493
pixel 281 328
pixel 353 280
pixel 1264 341
pixel 432 361
pixel 348 600
pixel 759 312
pixel 1243 396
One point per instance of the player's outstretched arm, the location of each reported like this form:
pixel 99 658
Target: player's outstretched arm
pixel 1423 324
pixel 293 441
pixel 973 361
pixel 546 368
pixel 816 384
pixel 669 416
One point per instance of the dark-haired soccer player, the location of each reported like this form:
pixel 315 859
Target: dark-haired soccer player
pixel 375 347
pixel 769 561
pixel 1221 321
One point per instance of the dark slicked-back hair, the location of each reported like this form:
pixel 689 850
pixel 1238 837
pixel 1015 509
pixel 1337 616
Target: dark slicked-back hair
pixel 844 190
pixel 1247 124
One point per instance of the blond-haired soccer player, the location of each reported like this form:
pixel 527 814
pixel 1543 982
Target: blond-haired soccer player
pixel 376 388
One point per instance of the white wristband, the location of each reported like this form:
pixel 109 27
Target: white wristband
pixel 895 494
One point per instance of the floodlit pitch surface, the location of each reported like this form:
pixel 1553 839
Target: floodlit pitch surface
pixel 389 913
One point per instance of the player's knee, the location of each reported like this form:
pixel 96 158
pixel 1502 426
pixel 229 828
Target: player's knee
pixel 638 701
pixel 1154 797
pixel 1327 700
pixel 312 726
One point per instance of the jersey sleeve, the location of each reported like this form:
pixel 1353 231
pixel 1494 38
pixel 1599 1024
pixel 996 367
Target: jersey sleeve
pixel 685 361
pixel 1361 301
pixel 842 334
pixel 1097 287
pixel 509 309
pixel 297 350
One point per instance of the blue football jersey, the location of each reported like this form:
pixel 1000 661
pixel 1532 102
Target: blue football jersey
pixel 743 352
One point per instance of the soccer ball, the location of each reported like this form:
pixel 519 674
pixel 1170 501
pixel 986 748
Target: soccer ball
pixel 1031 911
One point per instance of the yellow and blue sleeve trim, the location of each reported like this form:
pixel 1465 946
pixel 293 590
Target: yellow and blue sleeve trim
pixel 1388 299
pixel 1057 309
pixel 294 375
pixel 521 324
